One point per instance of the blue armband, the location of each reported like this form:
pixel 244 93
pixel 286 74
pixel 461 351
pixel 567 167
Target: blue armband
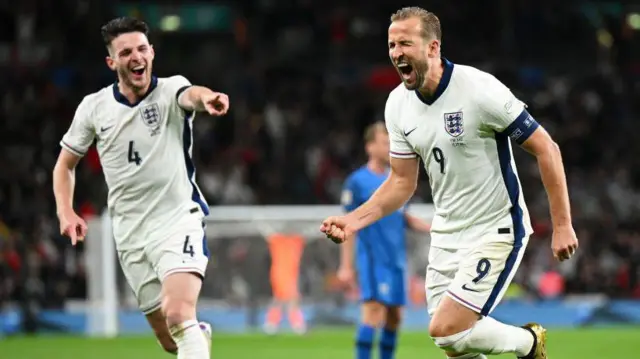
pixel 521 128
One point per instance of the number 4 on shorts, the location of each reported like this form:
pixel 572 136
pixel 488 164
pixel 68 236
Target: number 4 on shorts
pixel 188 247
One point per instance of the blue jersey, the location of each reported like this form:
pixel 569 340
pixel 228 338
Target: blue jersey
pixel 381 253
pixel 384 241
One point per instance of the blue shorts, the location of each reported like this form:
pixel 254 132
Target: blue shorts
pixel 381 283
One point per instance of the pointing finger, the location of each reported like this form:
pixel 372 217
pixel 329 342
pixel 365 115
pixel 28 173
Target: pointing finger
pixel 74 236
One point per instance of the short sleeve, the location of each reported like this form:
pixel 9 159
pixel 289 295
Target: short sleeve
pixel 399 147
pixel 177 84
pixel 81 133
pixel 504 112
pixel 349 197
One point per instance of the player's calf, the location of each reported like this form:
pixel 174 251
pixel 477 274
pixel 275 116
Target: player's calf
pixel 389 336
pixel 372 317
pixel 179 297
pixel 158 323
pixel 458 329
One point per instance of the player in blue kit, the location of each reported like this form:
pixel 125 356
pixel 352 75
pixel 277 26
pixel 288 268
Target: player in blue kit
pixel 381 254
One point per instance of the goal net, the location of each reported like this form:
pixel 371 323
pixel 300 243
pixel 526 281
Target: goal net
pixel 240 241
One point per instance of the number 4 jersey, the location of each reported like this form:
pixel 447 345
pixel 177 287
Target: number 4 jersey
pixel 145 153
pixel 462 135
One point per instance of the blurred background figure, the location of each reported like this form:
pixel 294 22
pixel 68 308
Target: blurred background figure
pixel 285 251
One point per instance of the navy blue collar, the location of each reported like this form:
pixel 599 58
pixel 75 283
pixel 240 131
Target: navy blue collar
pixel 123 100
pixel 444 82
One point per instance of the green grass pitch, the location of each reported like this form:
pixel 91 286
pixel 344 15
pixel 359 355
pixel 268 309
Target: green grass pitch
pixel 326 344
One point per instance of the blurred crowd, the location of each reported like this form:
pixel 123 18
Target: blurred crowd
pixel 304 80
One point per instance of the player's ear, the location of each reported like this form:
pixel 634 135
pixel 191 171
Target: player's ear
pixel 434 49
pixel 110 63
pixel 152 51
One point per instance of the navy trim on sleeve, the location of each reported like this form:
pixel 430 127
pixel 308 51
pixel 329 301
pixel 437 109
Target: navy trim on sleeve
pixel 181 90
pixel 72 149
pixel 521 128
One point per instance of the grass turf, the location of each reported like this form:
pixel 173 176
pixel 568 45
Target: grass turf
pixel 570 344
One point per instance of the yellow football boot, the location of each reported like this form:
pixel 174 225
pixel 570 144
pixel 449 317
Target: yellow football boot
pixel 539 350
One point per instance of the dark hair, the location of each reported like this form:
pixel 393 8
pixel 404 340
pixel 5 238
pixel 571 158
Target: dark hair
pixel 122 25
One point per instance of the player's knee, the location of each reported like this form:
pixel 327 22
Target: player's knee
pixel 373 314
pixel 178 310
pixel 453 343
pixel 445 327
pixel 394 318
pixel 451 318
pixel 180 295
pixel 442 328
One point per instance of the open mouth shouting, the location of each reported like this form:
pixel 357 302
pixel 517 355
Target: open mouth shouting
pixel 138 71
pixel 406 72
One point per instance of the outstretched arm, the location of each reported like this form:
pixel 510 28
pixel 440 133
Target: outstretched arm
pixel 202 99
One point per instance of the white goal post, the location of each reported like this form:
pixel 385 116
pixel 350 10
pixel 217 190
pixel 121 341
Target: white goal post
pixel 223 221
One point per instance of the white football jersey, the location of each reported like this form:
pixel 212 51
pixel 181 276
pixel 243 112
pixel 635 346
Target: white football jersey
pixel 462 135
pixel 145 153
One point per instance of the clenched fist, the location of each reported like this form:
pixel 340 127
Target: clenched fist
pixel 564 242
pixel 338 229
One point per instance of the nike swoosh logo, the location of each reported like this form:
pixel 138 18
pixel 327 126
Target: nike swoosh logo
pixel 464 286
pixel 409 132
pixel 102 129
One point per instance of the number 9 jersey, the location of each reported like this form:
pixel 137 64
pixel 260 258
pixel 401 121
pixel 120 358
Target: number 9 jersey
pixel 145 153
pixel 462 135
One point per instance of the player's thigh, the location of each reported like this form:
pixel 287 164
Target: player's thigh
pixel 183 251
pixel 485 273
pixel 142 279
pixel 442 268
pixel 180 261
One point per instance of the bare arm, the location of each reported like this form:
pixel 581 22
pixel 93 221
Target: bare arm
pixel 394 192
pixel 547 152
pixel 416 223
pixel 64 180
pixel 346 254
pixel 199 99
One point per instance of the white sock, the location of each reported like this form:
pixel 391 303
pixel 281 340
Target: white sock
pixel 191 342
pixel 489 336
pixel 469 356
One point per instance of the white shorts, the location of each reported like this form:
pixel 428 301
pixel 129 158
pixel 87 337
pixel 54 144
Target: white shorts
pixel 475 277
pixel 184 250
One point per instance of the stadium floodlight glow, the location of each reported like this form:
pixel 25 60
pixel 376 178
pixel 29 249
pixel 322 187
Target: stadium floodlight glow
pixel 605 38
pixel 170 23
pixel 633 20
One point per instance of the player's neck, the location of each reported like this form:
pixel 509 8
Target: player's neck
pixel 130 94
pixel 376 166
pixel 433 77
